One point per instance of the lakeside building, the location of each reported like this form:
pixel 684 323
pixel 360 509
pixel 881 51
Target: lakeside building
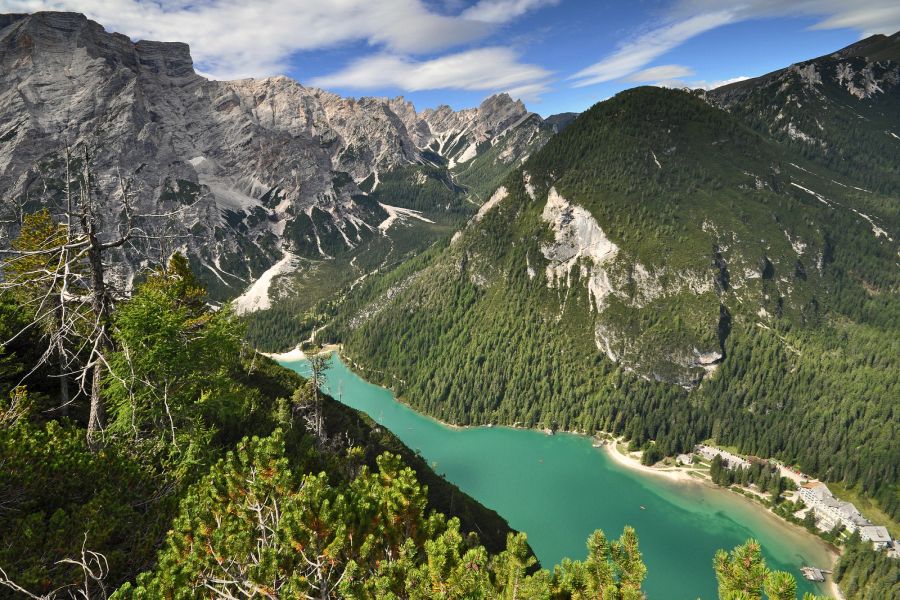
pixel 732 461
pixel 876 534
pixel 813 493
pixel 685 459
pixel 831 512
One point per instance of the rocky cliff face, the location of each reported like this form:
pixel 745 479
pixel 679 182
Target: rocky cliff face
pixel 247 169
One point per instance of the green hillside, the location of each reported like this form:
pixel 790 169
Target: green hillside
pixel 692 278
pixel 838 110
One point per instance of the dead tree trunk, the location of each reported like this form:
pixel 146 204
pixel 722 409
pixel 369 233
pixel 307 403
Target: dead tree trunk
pixel 100 299
pixel 100 308
pixel 62 364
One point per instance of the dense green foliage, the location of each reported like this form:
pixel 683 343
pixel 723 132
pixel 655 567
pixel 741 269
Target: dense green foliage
pixel 180 394
pixel 426 188
pixel 252 527
pixel 765 477
pixel 57 495
pixel 743 575
pixel 865 574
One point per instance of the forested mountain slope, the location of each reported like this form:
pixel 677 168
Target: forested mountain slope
pixel 664 270
pixel 838 110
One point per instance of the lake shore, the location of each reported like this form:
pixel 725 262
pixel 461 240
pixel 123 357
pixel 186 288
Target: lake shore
pixel 682 476
pixel 297 354
pixel 672 473
pixel 677 475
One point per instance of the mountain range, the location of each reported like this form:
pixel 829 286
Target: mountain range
pixel 671 265
pixel 676 266
pixel 251 173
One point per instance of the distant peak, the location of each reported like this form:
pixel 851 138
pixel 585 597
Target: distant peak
pixel 66 22
pixel 500 99
pixel 874 47
pixel 172 59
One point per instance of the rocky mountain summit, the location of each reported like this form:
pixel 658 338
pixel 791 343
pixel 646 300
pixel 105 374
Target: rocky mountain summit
pixel 248 170
pixel 840 108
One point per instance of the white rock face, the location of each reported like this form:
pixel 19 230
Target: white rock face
pixel 529 188
pixel 808 73
pixel 257 296
pixel 577 236
pixel 252 167
pixel 495 199
pixel 580 245
pixel 580 242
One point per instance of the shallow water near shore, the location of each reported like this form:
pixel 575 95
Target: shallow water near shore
pixel 559 488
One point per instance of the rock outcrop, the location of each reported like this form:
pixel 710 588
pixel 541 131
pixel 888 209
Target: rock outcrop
pixel 247 170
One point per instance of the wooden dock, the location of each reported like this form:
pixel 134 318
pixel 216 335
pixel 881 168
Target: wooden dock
pixel 814 573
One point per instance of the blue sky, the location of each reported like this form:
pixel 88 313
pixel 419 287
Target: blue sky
pixel 557 55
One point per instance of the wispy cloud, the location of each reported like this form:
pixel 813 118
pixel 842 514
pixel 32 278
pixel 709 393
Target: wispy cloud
pixel 711 85
pixel 237 38
pixel 866 16
pixel 503 11
pixel 689 18
pixel 661 73
pixel 641 51
pixel 488 69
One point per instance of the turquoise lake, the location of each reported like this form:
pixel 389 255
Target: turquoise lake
pixel 559 488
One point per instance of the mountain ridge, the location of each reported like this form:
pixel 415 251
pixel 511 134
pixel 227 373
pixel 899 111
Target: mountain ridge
pixel 254 167
pixel 674 271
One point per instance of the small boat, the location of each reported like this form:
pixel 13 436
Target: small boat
pixel 643 507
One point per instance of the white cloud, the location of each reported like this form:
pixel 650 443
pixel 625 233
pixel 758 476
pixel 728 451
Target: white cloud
pixel 637 53
pixel 493 69
pixel 700 84
pixel 240 38
pixel 866 16
pixel 715 84
pixel 661 73
pixel 502 11
pixel 690 18
pixel 530 92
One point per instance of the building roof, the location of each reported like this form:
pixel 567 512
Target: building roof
pixel 847 510
pixel 818 490
pixel 875 533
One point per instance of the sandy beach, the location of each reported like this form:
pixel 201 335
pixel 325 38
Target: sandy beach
pixel 683 476
pixel 298 354
pixel 671 473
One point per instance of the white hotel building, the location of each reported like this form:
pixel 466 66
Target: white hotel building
pixel 829 510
